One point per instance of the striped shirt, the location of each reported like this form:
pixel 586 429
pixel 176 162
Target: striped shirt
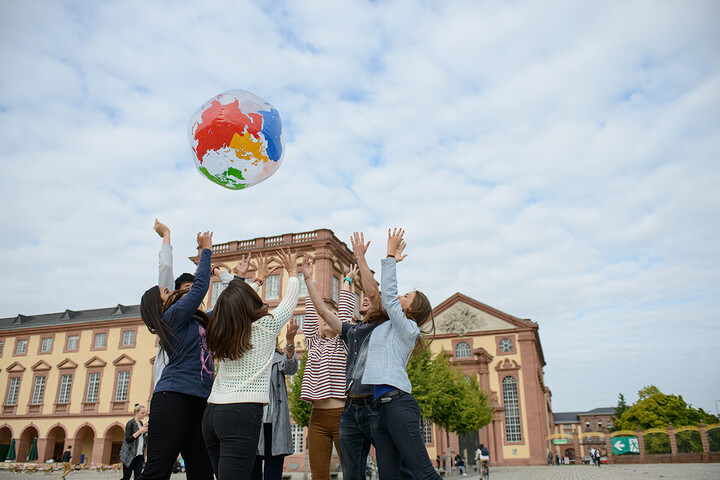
pixel 324 375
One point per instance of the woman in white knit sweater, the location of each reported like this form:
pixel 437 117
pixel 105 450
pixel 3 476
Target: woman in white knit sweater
pixel 241 335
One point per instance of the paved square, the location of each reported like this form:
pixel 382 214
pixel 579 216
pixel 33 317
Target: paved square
pixel 676 471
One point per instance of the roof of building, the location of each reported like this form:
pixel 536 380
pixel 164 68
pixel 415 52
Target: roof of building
pixel 574 417
pixel 70 317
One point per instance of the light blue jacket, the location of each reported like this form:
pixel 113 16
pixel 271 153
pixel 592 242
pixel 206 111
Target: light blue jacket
pixel 392 342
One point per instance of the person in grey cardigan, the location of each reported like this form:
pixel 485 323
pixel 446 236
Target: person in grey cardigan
pixel 275 437
pixel 132 452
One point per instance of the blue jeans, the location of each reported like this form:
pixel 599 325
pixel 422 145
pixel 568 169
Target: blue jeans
pixel 399 438
pixel 358 425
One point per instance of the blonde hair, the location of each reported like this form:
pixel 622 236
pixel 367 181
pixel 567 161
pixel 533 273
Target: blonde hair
pixel 138 407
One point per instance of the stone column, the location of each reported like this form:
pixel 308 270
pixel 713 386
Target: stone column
pixel 673 442
pixel 705 442
pixel 641 444
pixel 608 447
pixel 42 446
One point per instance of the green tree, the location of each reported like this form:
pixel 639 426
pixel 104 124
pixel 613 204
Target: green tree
pixel 299 409
pixel 655 409
pixel 446 397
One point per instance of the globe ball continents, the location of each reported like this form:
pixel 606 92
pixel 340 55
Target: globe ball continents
pixel 237 139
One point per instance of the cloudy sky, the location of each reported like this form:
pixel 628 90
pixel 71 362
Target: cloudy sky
pixel 556 160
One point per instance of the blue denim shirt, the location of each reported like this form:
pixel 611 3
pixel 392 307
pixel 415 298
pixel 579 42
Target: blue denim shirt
pixel 392 342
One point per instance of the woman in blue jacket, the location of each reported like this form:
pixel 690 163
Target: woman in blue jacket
pixel 181 393
pixel 398 435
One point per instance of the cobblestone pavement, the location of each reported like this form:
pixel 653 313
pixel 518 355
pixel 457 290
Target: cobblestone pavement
pixel 685 471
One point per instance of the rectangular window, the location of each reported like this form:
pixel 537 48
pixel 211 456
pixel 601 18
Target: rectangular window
pixel 599 424
pixel 13 389
pixel 300 319
pixel 38 391
pixel 128 338
pixel 21 346
pixel 587 424
pixel 609 424
pixel 303 288
pixel 46 345
pixel 121 391
pixel 297 438
pixel 272 287
pixel 512 410
pixel 65 386
pixel 1 348
pixel 72 342
pixel 217 289
pixel 100 340
pixel 427 431
pixel 93 387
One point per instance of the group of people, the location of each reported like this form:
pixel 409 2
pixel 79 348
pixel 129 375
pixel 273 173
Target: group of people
pixel 232 421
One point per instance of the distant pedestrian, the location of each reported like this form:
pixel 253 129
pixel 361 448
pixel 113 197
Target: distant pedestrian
pixel 550 458
pixel 437 460
pixel 132 452
pixel 597 457
pixel 67 466
pixel 557 459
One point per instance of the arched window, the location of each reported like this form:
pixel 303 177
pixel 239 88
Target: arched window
pixel 512 410
pixel 462 350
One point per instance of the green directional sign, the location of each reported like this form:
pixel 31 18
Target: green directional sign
pixel 621 445
pixel 560 441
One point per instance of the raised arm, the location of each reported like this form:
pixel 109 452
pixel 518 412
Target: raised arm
pixel 282 313
pixel 407 328
pixel 191 301
pixel 316 298
pixel 165 268
pixel 346 299
pixel 367 280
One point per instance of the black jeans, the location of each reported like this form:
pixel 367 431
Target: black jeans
pixel 174 428
pixel 232 432
pixel 273 463
pixel 135 467
pixel 399 438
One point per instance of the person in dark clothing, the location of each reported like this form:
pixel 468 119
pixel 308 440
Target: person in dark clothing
pixel 180 395
pixel 67 466
pixel 132 452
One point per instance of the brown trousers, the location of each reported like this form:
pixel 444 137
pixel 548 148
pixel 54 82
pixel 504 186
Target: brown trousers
pixel 323 430
pixel 67 468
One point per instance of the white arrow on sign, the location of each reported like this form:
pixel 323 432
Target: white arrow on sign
pixel 619 445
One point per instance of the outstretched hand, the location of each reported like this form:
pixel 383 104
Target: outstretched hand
pixel 243 266
pixel 204 240
pixel 307 267
pixel 289 260
pixel 359 246
pixel 262 270
pixel 396 244
pixel 161 229
pixel 353 273
pixel 292 329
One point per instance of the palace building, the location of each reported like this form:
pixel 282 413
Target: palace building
pixel 73 377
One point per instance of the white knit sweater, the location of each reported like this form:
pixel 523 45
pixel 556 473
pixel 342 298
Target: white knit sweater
pixel 247 380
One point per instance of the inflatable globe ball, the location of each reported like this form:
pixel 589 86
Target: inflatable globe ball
pixel 237 139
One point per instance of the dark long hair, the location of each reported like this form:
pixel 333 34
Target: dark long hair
pixel 420 311
pixel 152 309
pixel 376 314
pixel 230 327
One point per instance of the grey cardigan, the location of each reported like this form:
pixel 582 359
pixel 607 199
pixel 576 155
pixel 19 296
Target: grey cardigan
pixel 281 435
pixel 392 342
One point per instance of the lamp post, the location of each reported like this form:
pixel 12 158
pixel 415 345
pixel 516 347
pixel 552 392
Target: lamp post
pixel 716 408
